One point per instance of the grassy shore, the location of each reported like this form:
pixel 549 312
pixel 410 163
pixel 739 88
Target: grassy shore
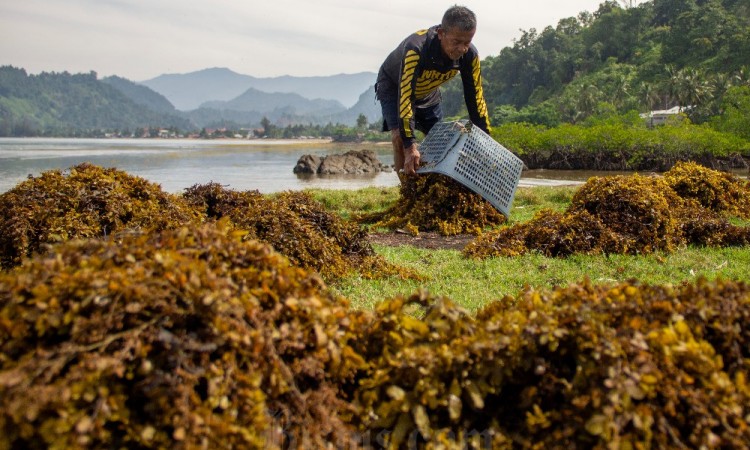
pixel 474 283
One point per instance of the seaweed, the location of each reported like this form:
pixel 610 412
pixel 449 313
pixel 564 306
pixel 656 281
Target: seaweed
pixel 715 190
pixel 623 366
pixel 435 202
pixel 631 215
pixel 206 335
pixel 298 227
pixel 93 202
pixel 87 201
pixel 186 338
pixel 197 337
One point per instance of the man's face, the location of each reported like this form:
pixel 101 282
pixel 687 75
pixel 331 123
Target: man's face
pixel 455 42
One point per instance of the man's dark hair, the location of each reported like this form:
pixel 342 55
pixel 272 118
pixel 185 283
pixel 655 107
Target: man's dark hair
pixel 459 17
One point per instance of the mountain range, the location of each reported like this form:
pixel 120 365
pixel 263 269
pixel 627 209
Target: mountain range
pixel 220 97
pixel 191 90
pixel 70 104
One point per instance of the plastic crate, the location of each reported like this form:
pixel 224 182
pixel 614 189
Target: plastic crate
pixel 468 155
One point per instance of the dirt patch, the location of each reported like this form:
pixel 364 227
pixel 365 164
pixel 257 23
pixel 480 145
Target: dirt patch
pixel 430 240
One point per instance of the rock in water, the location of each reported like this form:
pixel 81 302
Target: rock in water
pixel 354 162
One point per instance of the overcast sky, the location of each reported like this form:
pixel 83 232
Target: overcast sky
pixel 141 39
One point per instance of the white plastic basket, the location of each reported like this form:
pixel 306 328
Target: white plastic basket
pixel 470 156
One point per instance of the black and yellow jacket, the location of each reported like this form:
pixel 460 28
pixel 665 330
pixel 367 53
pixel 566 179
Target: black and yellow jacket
pixel 415 70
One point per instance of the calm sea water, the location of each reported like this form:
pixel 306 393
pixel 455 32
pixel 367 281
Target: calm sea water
pixel 178 164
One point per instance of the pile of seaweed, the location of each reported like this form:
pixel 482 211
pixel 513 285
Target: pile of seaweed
pixel 190 338
pixel 435 202
pixel 626 366
pixel 197 338
pixel 634 214
pixel 298 227
pixel 90 201
pixel 717 191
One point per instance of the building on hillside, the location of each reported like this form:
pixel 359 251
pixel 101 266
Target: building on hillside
pixel 661 116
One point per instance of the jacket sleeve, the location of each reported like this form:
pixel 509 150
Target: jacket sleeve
pixel 471 77
pixel 406 95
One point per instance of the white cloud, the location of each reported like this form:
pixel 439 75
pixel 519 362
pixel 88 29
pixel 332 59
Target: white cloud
pixel 140 40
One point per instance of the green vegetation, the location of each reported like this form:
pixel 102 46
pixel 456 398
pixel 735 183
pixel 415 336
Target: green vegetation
pixel 656 55
pixel 473 284
pixel 626 143
pixel 349 204
pixel 61 104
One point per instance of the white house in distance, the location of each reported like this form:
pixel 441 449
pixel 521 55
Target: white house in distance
pixel 660 116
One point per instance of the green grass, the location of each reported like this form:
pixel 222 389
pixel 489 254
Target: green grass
pixel 347 203
pixel 528 201
pixel 474 283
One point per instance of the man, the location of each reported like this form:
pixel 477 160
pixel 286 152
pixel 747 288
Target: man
pixel 408 82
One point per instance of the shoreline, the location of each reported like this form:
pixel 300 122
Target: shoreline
pixel 237 141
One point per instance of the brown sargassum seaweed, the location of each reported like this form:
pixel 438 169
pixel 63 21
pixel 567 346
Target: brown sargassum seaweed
pixel 298 227
pixel 201 336
pixel 632 215
pixel 624 366
pixel 435 202
pixel 197 338
pixel 190 338
pixel 90 201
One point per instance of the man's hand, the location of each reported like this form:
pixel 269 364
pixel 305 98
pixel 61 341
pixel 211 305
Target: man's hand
pixel 411 160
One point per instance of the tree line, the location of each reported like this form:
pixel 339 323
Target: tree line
pixel 64 104
pixel 622 57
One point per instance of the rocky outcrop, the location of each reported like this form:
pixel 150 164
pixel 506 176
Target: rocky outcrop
pixel 354 162
pixel 308 164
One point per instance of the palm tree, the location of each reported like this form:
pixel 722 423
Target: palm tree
pixel 688 87
pixel 671 86
pixel 588 97
pixel 693 88
pixel 742 76
pixel 621 89
pixel 627 4
pixel 650 95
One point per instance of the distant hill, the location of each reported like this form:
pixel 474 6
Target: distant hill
pixel 217 118
pixel 367 105
pixel 263 102
pixel 61 104
pixel 191 90
pixel 282 109
pixel 654 55
pixel 345 88
pixel 141 95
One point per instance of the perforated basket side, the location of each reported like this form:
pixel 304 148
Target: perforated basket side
pixel 475 160
pixel 438 143
pixel 489 169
